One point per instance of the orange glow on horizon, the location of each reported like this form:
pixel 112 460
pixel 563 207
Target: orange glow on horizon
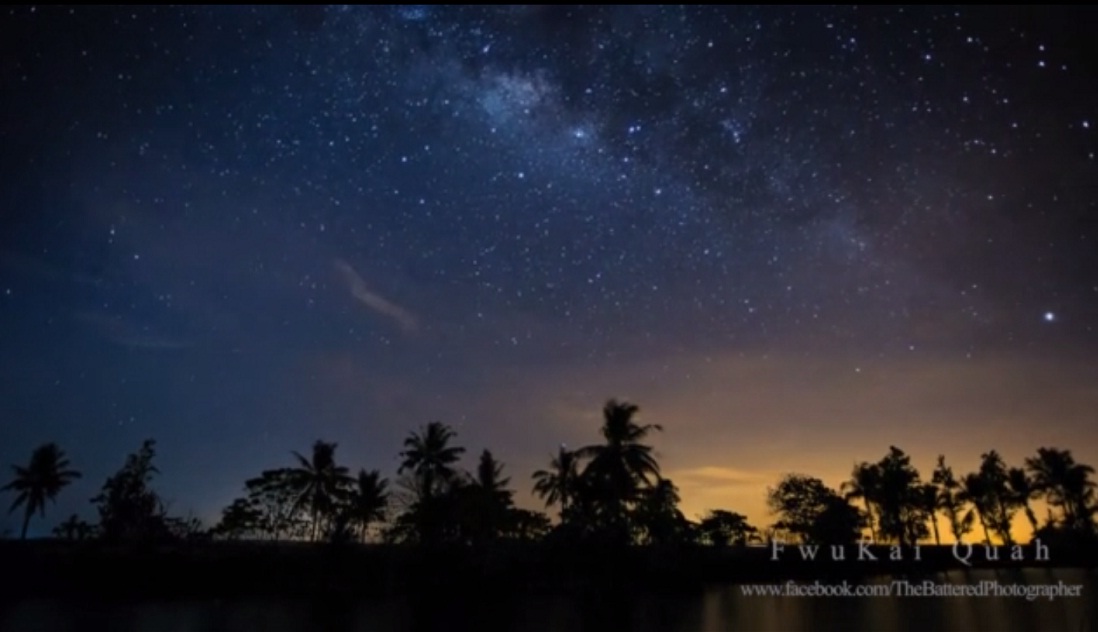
pixel 734 424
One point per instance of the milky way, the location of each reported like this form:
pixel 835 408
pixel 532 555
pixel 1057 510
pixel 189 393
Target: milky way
pixel 238 229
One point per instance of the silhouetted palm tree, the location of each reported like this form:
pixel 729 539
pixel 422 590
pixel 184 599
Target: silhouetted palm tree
pixel 865 485
pixel 40 481
pixel 997 496
pixel 1065 484
pixel 1020 489
pixel 622 466
pixel 929 500
pixel 558 483
pixel 429 455
pixel 951 500
pixel 989 494
pixel 1080 489
pixel 368 501
pixel 902 517
pixel 974 490
pixel 438 493
pixel 318 481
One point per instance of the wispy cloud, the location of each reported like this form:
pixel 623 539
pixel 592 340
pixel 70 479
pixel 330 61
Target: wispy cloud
pixel 355 283
pixel 719 474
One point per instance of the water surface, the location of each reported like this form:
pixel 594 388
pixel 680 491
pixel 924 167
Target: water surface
pixel 723 607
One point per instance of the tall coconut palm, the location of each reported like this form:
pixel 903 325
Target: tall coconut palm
pixel 974 490
pixel 1065 484
pixel 41 480
pixel 929 500
pixel 622 466
pixel 865 485
pixel 1020 490
pixel 557 485
pixel 951 500
pixel 430 457
pixel 368 501
pixel 318 481
pixel 902 518
pixel 993 471
pixel 987 490
pixel 1080 490
pixel 436 489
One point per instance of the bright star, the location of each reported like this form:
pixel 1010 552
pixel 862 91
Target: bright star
pixel 1050 317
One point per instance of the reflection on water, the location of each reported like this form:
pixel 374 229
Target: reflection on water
pixel 717 608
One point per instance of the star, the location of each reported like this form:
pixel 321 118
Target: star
pixel 760 199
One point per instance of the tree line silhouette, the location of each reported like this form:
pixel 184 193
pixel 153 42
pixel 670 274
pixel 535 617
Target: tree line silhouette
pixel 610 493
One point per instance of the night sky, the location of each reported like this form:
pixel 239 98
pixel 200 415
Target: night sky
pixel 792 236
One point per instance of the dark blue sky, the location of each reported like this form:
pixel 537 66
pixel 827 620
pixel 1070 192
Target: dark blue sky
pixel 237 230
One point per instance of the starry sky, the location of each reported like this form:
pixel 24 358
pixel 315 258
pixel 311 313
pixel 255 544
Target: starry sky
pixel 792 236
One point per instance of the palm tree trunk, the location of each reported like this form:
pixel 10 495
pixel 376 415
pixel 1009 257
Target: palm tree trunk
pixel 954 523
pixel 1079 513
pixel 26 521
pixel 872 522
pixel 1031 517
pixel 934 523
pixel 1004 526
pixel 987 536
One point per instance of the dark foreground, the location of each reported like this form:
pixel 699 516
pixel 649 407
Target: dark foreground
pixel 714 608
pixel 232 570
